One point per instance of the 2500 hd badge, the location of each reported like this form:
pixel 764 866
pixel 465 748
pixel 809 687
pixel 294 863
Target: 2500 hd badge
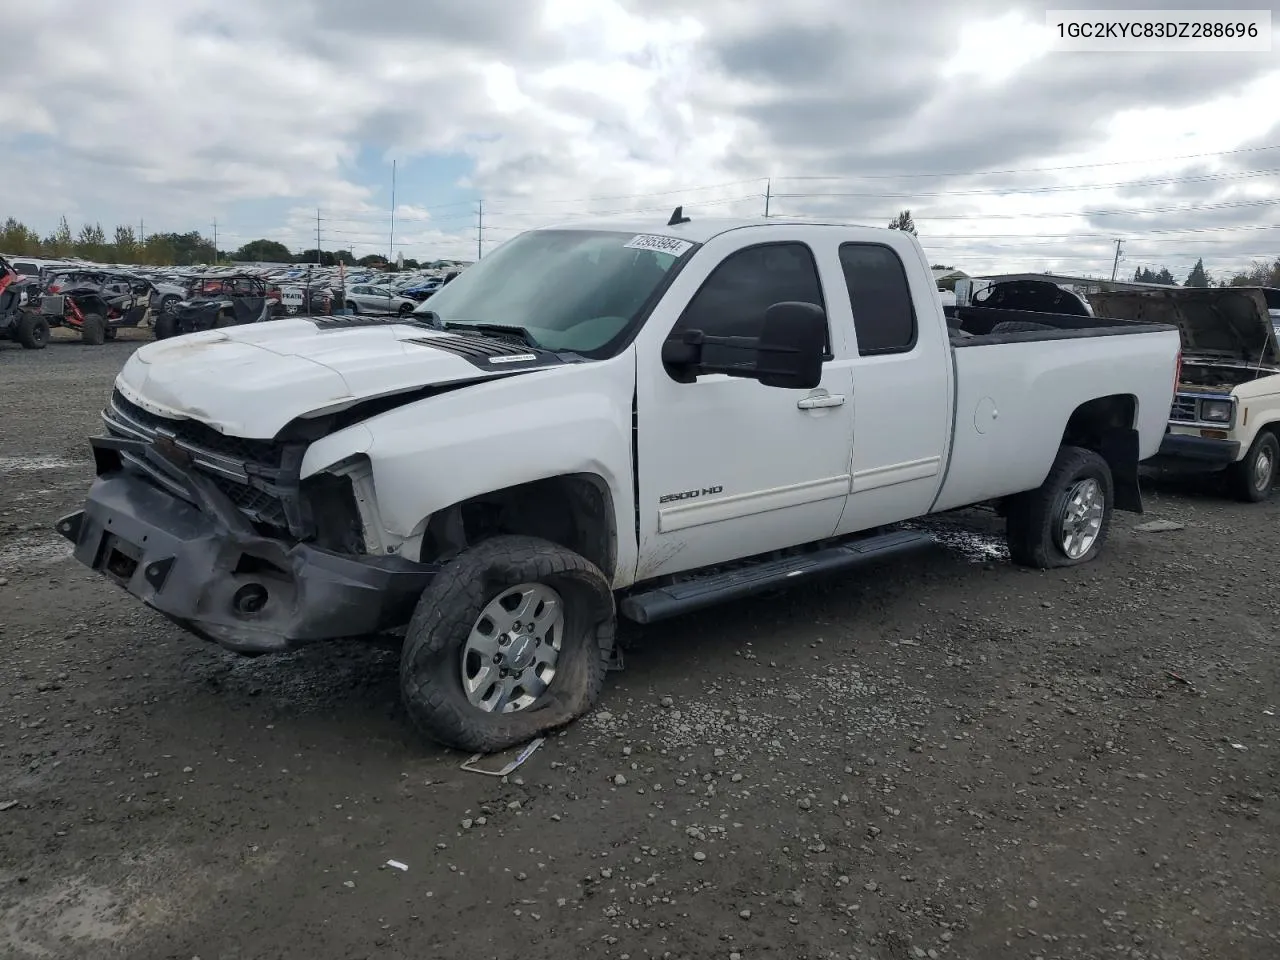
pixel 690 494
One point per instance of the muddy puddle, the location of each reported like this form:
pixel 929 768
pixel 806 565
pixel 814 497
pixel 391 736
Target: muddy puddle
pixel 972 546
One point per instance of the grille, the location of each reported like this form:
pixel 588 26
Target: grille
pixel 189 432
pixel 223 459
pixel 1184 408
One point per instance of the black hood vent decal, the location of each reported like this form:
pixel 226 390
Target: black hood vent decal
pixel 490 353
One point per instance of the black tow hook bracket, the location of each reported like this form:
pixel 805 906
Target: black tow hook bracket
pixel 70 526
pixel 157 571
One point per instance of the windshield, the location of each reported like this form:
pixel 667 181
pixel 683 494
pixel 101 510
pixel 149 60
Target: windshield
pixel 572 290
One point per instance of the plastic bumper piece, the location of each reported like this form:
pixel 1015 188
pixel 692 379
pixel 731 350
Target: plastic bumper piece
pixel 202 565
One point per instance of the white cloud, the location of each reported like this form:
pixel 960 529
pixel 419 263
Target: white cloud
pixel 172 111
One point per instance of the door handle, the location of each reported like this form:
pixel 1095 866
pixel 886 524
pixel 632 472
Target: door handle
pixel 830 400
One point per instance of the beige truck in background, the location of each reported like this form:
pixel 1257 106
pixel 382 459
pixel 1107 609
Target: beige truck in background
pixel 1226 411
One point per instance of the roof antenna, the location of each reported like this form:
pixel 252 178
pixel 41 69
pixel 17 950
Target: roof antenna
pixel 677 216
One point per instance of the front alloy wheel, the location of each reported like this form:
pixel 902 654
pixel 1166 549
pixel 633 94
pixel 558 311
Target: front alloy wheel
pixel 509 640
pixel 510 656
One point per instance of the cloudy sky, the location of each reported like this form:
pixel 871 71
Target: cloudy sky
pixel 258 114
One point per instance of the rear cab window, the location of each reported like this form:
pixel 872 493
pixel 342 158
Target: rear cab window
pixel 884 314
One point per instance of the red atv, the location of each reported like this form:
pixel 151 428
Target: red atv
pixel 97 303
pixel 16 321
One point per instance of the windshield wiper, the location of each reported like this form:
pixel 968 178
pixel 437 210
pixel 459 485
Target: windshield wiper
pixel 498 328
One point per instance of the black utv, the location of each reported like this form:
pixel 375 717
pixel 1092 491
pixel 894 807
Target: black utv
pixel 17 322
pixel 94 303
pixel 219 301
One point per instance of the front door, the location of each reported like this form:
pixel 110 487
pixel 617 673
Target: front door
pixel 730 468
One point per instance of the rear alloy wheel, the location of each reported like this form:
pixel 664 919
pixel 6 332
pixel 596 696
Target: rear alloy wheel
pixel 1253 478
pixel 1065 521
pixel 406 309
pixel 168 303
pixel 33 332
pixel 93 330
pixel 511 639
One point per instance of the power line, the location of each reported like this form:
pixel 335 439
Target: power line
pixel 1017 170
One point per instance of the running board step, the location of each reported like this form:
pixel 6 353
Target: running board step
pixel 660 603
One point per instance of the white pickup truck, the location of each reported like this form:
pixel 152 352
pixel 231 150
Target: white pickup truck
pixel 601 419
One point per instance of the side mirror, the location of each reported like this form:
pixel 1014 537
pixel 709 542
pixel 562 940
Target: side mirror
pixel 787 354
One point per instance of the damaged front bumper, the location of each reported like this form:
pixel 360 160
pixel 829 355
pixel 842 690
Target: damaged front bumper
pixel 199 561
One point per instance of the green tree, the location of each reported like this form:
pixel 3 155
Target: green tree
pixel 903 221
pixel 1198 277
pixel 263 251
pixel 60 243
pixel 372 260
pixel 326 258
pixel 1260 274
pixel 19 239
pixel 125 244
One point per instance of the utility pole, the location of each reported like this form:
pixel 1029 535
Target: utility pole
pixel 1115 265
pixel 317 236
pixel 142 231
pixel 768 191
pixel 391 244
pixel 215 240
pixel 479 229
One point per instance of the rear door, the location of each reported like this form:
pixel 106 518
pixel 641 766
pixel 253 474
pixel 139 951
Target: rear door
pixel 902 381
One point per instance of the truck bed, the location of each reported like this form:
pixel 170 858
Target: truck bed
pixel 1009 385
pixel 971 326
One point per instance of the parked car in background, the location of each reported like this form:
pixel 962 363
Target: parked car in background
pixel 1225 416
pixel 367 298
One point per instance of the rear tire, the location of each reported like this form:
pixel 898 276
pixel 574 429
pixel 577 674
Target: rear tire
pixel 33 332
pixel 94 330
pixel 166 326
pixel 452 620
pixel 1066 520
pixel 1253 478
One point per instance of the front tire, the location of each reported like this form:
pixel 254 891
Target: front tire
pixel 1065 521
pixel 33 332
pixel 93 330
pixel 1252 478
pixel 473 669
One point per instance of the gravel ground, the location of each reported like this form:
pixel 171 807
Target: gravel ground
pixel 944 756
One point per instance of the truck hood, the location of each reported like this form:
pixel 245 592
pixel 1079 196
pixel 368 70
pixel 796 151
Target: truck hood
pixel 1216 323
pixel 251 380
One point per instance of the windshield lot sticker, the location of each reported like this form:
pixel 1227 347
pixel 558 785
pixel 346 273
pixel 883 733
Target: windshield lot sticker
pixel 669 245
